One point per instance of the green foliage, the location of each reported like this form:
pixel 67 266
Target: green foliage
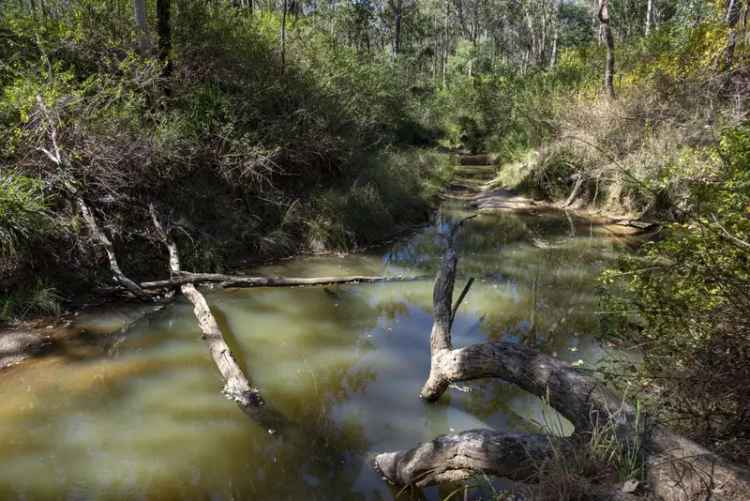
pixel 230 143
pixel 391 192
pixel 24 216
pixel 37 299
pixel 690 293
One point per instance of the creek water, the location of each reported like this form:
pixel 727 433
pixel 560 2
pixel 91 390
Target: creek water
pixel 136 413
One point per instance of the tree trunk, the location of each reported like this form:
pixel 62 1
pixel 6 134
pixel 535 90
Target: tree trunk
pixel 609 70
pixel 139 12
pixel 397 12
pixel 164 31
pixel 444 55
pixel 556 34
pixel 237 387
pixel 649 16
pixel 283 37
pixel 676 468
pixel 733 14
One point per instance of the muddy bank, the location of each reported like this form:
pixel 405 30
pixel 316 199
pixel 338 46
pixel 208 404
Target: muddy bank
pixel 502 199
pixel 73 330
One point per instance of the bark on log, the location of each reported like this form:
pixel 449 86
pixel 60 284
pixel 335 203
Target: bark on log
pixel 677 469
pixel 459 456
pixel 185 277
pixel 237 386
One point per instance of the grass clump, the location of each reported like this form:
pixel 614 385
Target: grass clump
pixel 38 299
pixel 601 462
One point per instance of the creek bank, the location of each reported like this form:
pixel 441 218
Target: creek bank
pixel 473 183
pixel 27 339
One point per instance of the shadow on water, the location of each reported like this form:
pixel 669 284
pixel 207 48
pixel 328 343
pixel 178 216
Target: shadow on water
pixel 137 414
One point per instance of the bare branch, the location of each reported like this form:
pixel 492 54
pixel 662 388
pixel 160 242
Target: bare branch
pixel 461 298
pixel 738 241
pixel 102 238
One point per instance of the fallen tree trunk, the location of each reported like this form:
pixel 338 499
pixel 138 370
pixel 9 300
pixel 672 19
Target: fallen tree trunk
pixel 460 456
pixel 676 468
pixel 185 277
pixel 101 237
pixel 237 387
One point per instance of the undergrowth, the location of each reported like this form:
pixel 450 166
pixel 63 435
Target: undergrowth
pixel 251 157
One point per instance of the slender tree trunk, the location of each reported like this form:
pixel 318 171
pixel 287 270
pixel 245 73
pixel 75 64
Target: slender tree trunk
pixel 139 11
pixel 436 48
pixel 556 34
pixel 397 8
pixel 444 58
pixel 461 19
pixel 649 16
pixel 164 30
pixel 283 37
pixel 609 70
pixel 542 52
pixel 733 15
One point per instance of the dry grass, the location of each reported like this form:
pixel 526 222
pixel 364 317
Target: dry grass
pixel 639 154
pixel 601 464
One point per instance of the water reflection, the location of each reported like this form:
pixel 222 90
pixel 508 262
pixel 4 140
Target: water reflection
pixel 137 414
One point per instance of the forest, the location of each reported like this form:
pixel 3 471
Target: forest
pixel 329 172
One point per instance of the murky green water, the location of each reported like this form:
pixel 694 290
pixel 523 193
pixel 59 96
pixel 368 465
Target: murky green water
pixel 137 414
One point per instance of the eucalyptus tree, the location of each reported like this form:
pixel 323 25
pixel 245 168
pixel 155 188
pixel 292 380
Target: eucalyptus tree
pixel 606 33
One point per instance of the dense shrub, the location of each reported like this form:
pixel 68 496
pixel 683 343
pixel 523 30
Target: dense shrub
pixel 690 292
pixel 234 145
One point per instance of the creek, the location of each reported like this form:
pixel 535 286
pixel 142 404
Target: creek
pixel 136 413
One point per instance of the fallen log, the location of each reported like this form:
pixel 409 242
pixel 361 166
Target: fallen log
pixel 676 468
pixel 237 386
pixel 101 237
pixel 460 456
pixel 185 277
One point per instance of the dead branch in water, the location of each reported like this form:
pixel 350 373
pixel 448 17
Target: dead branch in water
pixel 676 467
pixel 237 387
pixel 223 280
